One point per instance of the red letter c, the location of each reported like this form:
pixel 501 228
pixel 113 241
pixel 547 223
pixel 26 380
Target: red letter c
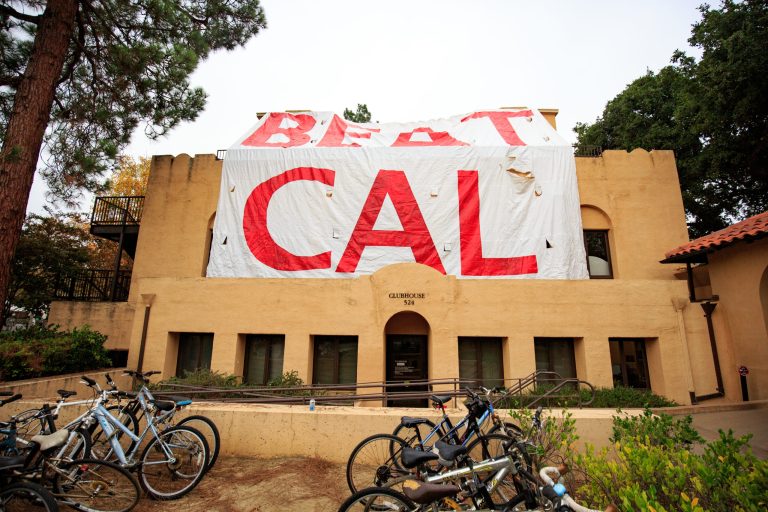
pixel 257 236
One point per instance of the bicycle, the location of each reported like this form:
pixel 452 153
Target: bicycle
pixel 410 429
pixel 17 495
pixel 84 484
pixel 131 414
pixel 464 488
pixel 375 460
pixel 171 464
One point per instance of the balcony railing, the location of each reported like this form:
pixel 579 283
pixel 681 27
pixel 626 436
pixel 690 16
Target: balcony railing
pixel 94 285
pixel 116 210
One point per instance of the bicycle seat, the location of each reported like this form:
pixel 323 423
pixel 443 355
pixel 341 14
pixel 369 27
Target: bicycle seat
pixel 440 399
pixel 422 492
pixel 127 394
pixel 180 400
pixel 63 393
pixel 449 451
pixel 163 405
pixel 12 462
pixel 408 421
pixel 412 457
pixel 54 440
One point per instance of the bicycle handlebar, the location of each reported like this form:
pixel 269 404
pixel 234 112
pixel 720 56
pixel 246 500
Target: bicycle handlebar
pixel 13 398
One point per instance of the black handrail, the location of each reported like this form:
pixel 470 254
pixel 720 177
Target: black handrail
pixel 117 210
pixel 93 285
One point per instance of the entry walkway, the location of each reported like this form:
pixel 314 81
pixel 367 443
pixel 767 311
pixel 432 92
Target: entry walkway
pixel 747 418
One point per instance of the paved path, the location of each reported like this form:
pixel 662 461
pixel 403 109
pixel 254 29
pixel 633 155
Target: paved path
pixel 742 418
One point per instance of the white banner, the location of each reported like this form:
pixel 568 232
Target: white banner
pixel 491 194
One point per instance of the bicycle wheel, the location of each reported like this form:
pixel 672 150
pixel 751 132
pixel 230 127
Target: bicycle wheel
pixel 101 448
pixel 26 496
pixel 167 478
pixel 30 423
pixel 490 447
pixel 411 434
pixel 373 462
pixel 512 430
pixel 92 485
pixel 377 499
pixel 211 433
pixel 77 446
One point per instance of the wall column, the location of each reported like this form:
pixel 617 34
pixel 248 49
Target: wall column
pixel 519 357
pixel 593 361
pixel 227 353
pixel 298 355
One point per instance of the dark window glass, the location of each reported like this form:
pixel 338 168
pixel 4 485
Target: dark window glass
pixel 598 253
pixel 480 360
pixel 629 363
pixel 263 358
pixel 194 352
pixel 556 355
pixel 335 360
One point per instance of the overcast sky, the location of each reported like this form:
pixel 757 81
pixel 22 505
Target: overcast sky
pixel 415 60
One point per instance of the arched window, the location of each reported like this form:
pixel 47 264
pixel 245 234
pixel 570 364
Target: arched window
pixel 597 228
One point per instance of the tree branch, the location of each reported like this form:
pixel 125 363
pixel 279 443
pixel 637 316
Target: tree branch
pixel 10 11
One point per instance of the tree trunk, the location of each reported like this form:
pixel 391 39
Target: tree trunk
pixel 27 124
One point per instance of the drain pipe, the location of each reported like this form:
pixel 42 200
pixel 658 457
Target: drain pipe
pixel 679 304
pixel 147 299
pixel 709 308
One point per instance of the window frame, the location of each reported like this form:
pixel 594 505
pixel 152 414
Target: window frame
pixel 607 240
pixel 336 342
pixel 182 342
pixel 623 363
pixel 479 341
pixel 549 341
pixel 251 340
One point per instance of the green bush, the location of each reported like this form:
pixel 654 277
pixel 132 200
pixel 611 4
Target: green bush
pixel 42 351
pixel 611 398
pixel 661 464
pixel 204 377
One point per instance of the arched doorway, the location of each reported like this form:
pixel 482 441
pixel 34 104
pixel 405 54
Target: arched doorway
pixel 407 339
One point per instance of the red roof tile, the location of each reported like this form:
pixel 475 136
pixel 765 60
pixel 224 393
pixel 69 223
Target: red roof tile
pixel 749 229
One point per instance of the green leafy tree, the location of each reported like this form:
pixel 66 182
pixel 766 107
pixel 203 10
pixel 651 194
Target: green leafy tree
pixel 361 115
pixel 713 112
pixel 50 247
pixel 80 75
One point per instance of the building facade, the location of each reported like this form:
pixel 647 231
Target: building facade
pixel 631 324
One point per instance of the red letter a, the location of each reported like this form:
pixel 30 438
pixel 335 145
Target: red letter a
pixel 414 235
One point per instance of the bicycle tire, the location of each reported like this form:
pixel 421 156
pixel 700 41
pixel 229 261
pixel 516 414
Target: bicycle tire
pixel 100 445
pixel 26 426
pixel 27 496
pixel 92 485
pixel 191 456
pixel 211 433
pixel 377 499
pixel 491 446
pixel 82 447
pixel 372 462
pixel 408 434
pixel 515 430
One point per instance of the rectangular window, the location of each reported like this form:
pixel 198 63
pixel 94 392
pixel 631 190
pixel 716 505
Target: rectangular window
pixel 598 253
pixel 556 355
pixel 194 352
pixel 335 360
pixel 480 360
pixel 629 363
pixel 263 358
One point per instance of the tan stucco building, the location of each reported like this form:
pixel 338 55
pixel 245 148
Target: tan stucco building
pixel 631 324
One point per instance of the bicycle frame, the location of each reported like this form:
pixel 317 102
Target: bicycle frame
pixel 108 423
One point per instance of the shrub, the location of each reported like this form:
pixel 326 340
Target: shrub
pixel 556 440
pixel 661 464
pixel 612 398
pixel 40 351
pixel 204 377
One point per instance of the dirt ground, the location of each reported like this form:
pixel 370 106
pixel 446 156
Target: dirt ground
pixel 245 484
